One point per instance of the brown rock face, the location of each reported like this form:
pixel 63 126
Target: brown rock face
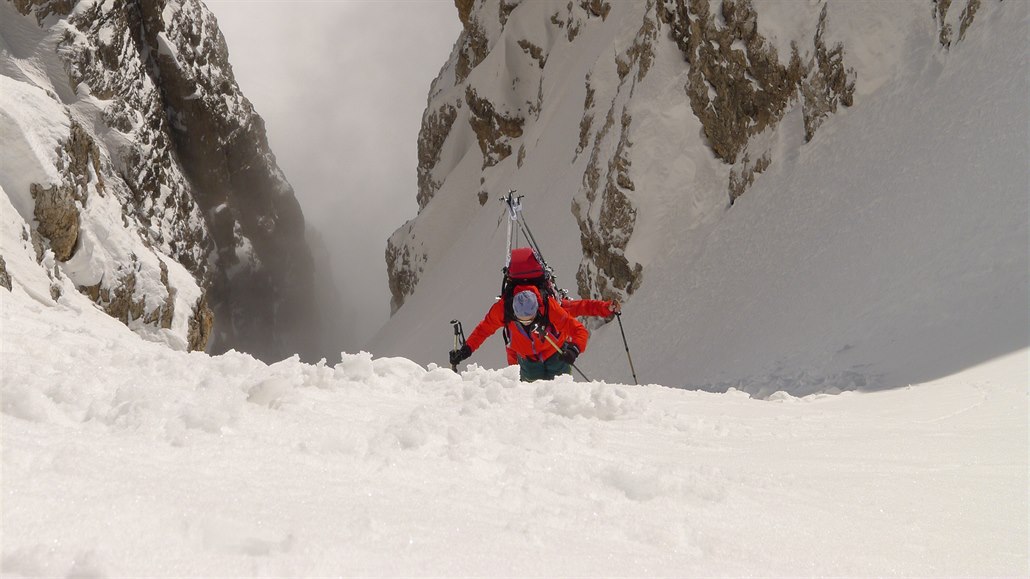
pixel 119 302
pixel 436 125
pixel 742 176
pixel 403 264
pixel 738 86
pixel 534 52
pixel 5 278
pixel 58 218
pixel 473 44
pixel 44 8
pixel 605 271
pixel 57 206
pixel 945 30
pixel 967 17
pixel 727 58
pixel 607 181
pixel 828 83
pixel 494 130
pixel 201 323
pixel 464 10
pixel 115 67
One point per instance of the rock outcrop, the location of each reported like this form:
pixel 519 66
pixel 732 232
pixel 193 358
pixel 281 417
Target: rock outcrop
pixel 494 130
pixel 404 264
pixel 436 125
pixel 946 29
pixel 5 277
pixel 605 271
pixel 56 205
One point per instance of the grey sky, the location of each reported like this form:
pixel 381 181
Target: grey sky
pixel 342 86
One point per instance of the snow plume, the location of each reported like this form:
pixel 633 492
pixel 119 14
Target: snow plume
pixel 878 228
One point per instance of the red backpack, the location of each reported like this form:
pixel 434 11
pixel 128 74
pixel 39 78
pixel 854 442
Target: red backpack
pixel 526 269
pixel 524 265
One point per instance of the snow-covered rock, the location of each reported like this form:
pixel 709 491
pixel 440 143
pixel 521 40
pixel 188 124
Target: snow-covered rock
pixel 142 175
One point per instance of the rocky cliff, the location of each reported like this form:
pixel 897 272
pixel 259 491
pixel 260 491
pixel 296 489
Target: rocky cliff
pixel 150 118
pixel 745 75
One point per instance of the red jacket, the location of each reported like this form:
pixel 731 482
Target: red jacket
pixel 575 308
pixel 526 344
pixel 580 308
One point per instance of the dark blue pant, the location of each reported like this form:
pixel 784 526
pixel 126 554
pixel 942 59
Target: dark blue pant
pixel 531 370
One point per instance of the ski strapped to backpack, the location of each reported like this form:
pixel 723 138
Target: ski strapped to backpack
pixel 526 263
pixel 524 266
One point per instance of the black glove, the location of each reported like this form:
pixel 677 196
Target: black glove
pixel 569 353
pixel 460 354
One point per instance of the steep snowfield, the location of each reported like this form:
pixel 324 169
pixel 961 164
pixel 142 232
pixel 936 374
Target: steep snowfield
pixel 125 458
pixel 891 249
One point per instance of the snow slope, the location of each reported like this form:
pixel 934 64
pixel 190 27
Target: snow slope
pixel 889 250
pixel 897 258
pixel 125 458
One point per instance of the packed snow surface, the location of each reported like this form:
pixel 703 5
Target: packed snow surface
pixel 123 457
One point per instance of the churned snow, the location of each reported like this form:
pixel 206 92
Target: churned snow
pixel 125 458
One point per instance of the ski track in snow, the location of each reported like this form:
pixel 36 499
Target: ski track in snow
pixel 122 457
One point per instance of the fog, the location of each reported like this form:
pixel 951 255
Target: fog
pixel 342 86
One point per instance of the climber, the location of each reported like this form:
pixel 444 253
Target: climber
pixel 545 339
pixel 578 309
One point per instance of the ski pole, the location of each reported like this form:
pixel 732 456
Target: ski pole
pixel 618 316
pixel 551 342
pixel 458 334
